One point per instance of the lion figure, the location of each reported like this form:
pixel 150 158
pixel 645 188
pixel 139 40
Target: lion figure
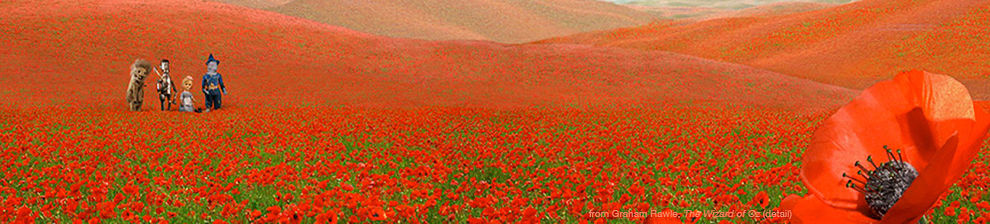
pixel 135 89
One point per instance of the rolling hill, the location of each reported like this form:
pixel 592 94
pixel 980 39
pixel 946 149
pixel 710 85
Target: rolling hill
pixel 699 13
pixel 852 45
pixel 80 51
pixel 721 4
pixel 507 21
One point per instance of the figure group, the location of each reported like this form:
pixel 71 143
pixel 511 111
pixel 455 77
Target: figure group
pixel 212 85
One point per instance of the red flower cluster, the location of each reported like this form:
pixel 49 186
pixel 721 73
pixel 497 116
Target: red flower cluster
pixel 444 164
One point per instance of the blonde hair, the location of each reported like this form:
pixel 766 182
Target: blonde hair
pixel 189 80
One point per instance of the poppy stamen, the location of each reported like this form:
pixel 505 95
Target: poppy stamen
pixel 866 177
pixel 885 183
pixel 890 155
pixel 850 184
pixel 852 179
pixel 870 159
pixel 863 169
pixel 889 182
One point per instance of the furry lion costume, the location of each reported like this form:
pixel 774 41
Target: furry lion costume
pixel 135 89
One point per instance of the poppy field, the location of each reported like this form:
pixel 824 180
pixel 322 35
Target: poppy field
pixel 412 165
pixel 328 125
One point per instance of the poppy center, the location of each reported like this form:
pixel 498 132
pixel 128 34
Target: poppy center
pixel 885 183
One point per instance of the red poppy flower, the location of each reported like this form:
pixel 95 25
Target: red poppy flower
pixel 376 213
pixel 328 217
pixel 130 189
pixel 761 199
pixel 106 209
pixel 901 144
pixel 692 217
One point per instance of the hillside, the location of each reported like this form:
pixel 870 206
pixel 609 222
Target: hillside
pixel 721 4
pixel 851 45
pixel 699 13
pixel 506 21
pixel 79 52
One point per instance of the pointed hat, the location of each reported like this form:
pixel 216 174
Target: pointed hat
pixel 208 60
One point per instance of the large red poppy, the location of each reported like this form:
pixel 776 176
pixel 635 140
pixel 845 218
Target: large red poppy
pixel 328 217
pixel 930 118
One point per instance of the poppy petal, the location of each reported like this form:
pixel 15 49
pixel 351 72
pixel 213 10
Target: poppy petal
pixel 970 146
pixel 952 161
pixel 916 112
pixel 925 190
pixel 810 209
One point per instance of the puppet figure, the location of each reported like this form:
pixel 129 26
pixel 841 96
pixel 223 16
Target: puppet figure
pixel 213 86
pixel 186 101
pixel 166 88
pixel 135 89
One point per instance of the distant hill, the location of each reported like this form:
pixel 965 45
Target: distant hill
pixel 719 4
pixel 851 45
pixel 507 21
pixel 695 13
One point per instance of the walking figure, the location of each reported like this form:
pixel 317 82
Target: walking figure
pixel 166 88
pixel 213 86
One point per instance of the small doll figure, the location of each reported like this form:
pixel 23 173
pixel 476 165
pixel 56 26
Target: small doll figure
pixel 186 101
pixel 213 86
pixel 166 88
pixel 135 88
